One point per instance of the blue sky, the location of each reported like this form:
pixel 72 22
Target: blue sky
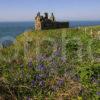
pixel 25 10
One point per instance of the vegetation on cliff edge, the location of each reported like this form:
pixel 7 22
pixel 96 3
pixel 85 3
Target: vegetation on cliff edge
pixel 52 64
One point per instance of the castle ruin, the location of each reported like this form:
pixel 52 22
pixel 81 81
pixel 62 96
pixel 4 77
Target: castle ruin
pixel 44 22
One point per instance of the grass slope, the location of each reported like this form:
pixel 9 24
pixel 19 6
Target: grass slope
pixel 34 67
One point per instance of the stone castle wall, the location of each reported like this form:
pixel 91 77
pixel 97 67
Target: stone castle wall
pixel 42 23
pixel 54 25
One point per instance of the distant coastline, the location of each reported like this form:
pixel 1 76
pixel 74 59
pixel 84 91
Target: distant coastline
pixel 84 23
pixel 15 28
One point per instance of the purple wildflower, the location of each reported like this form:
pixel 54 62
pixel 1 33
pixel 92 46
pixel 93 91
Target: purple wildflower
pixel 60 82
pixel 28 98
pixel 41 67
pixel 42 83
pixel 37 77
pixel 98 93
pixel 56 53
pixel 33 82
pixel 30 64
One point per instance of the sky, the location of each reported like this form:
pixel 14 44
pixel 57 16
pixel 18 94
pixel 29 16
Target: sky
pixel 26 10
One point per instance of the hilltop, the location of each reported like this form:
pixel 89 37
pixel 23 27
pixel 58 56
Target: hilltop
pixel 54 64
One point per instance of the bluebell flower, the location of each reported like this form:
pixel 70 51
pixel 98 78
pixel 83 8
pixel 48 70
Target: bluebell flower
pixel 41 67
pixel 42 83
pixel 60 82
pixel 37 77
pixel 57 53
pixel 28 98
pixel 33 82
pixel 30 64
pixel 98 93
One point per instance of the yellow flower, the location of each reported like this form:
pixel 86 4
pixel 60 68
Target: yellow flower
pixel 79 98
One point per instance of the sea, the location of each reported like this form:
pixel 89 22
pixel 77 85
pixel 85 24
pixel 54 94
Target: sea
pixel 13 29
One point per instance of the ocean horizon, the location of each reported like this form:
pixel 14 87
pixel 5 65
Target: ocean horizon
pixel 13 29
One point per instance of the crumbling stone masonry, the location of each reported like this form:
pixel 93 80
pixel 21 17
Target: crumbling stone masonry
pixel 43 22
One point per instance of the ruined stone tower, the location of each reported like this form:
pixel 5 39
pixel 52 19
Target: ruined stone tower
pixel 44 22
pixel 38 22
pixel 52 18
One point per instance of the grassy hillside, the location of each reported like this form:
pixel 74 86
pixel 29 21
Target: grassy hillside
pixel 52 64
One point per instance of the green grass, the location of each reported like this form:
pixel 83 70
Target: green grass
pixel 73 78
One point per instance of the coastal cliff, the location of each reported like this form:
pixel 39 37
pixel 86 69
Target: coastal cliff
pixel 52 63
